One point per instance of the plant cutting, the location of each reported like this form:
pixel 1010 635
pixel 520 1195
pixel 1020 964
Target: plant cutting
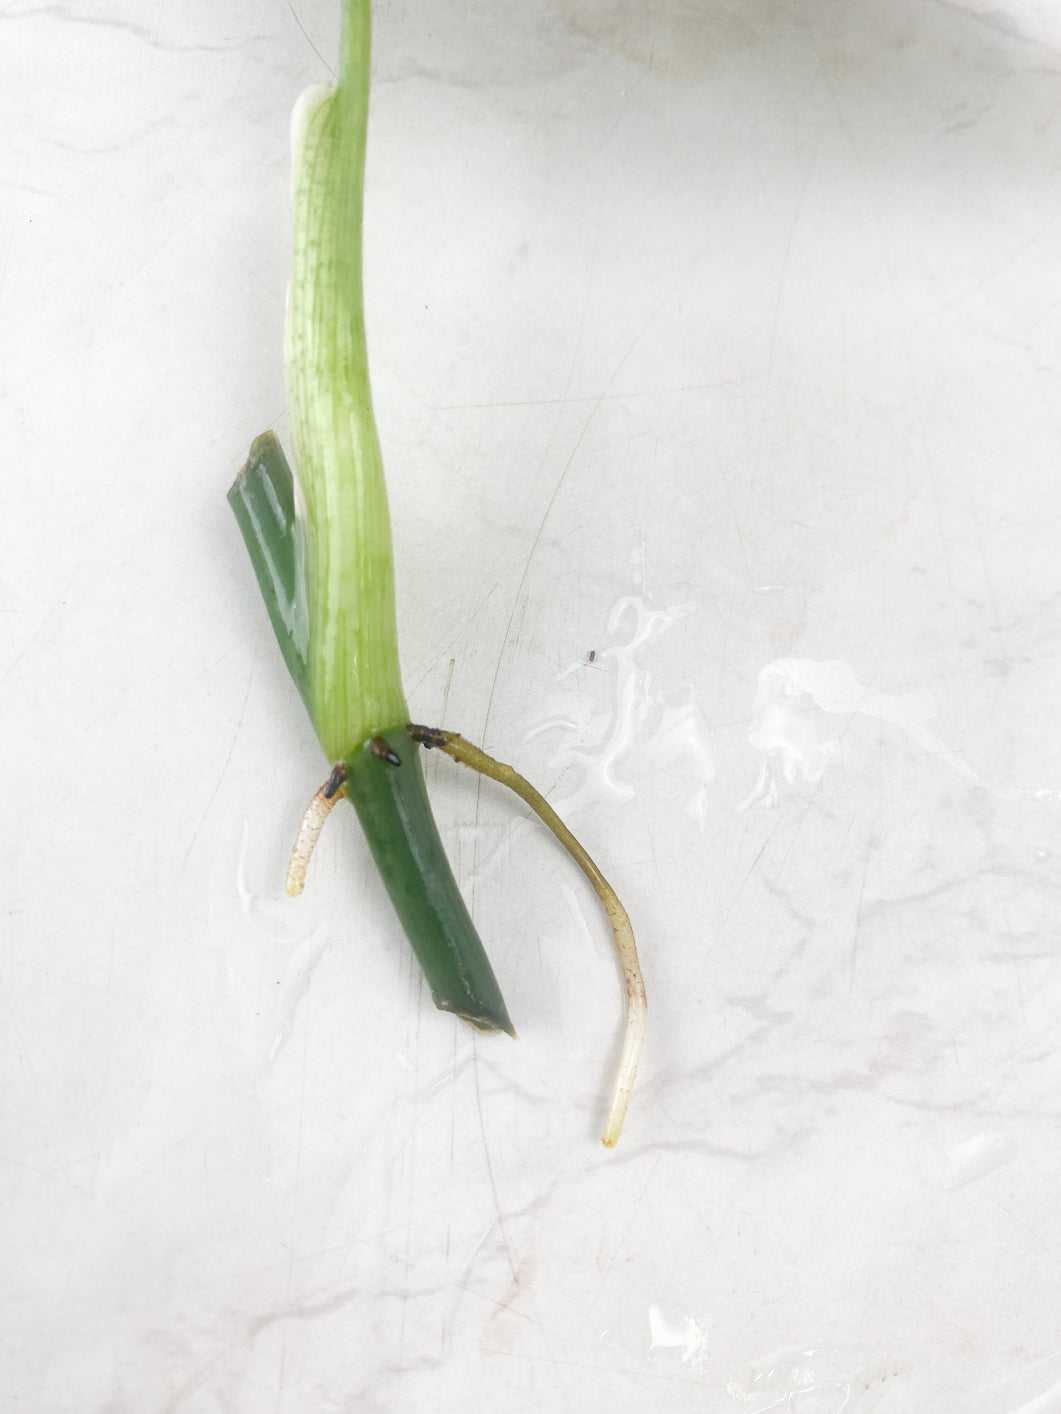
pixel 320 543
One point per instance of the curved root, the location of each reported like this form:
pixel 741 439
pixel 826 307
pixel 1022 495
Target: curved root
pixel 317 811
pixel 625 947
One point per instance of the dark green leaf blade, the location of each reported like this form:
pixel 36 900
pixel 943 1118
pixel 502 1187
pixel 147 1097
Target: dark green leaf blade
pixel 263 500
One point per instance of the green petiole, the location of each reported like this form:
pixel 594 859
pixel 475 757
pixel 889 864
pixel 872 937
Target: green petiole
pixel 320 545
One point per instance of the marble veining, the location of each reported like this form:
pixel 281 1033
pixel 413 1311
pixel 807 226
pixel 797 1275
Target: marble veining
pixel 715 361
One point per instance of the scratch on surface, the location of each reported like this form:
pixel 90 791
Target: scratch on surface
pixel 221 777
pixel 240 261
pixel 748 874
pixel 298 1153
pixel 857 926
pixel 489 1162
pixel 445 690
pixel 39 630
pixel 778 299
pixel 635 1208
pixel 7 252
pixel 646 324
pixel 302 27
pixel 443 1335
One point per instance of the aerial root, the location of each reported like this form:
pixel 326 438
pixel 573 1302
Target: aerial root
pixel 623 934
pixel 317 811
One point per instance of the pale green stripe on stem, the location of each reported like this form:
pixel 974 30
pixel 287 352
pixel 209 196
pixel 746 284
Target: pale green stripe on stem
pixel 354 683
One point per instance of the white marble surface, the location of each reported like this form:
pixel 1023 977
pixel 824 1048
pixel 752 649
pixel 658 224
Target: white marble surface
pixel 720 340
